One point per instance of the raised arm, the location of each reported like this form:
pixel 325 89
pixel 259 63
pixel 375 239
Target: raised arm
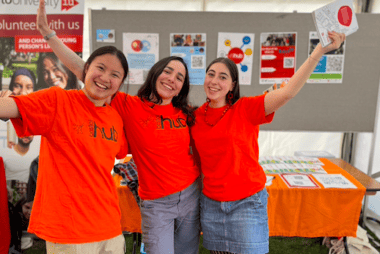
pixel 278 98
pixel 65 54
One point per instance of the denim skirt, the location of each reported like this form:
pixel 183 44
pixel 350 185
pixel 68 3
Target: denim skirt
pixel 236 226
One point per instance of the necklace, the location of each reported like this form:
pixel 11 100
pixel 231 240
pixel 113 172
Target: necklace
pixel 224 112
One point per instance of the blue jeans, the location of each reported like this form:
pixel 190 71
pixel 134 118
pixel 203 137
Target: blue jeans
pixel 171 224
pixel 236 226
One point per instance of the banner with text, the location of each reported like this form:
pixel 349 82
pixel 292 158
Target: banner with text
pixel 21 44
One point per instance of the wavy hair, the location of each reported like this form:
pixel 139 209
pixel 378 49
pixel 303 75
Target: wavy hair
pixel 148 91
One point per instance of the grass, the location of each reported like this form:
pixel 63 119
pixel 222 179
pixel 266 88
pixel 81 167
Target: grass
pixel 277 245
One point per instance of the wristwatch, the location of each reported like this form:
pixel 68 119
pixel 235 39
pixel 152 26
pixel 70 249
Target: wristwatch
pixel 47 37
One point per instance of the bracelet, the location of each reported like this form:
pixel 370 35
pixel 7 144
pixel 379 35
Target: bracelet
pixel 47 37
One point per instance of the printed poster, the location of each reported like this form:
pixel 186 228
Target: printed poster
pixel 330 67
pixel 239 48
pixel 278 57
pixel 192 48
pixel 27 58
pixel 23 47
pixel 105 35
pixel 141 50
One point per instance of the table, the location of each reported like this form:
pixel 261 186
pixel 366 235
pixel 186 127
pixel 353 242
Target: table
pixel 296 212
pixel 372 186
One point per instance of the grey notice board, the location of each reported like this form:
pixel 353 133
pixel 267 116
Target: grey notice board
pixel 346 107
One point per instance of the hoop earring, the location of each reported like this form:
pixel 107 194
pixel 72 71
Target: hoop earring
pixel 230 97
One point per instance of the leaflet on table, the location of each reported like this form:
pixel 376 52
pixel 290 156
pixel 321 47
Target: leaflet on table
pixel 292 168
pixel 239 48
pixel 141 50
pixel 289 160
pixel 330 66
pixel 338 16
pixel 277 57
pixel 269 180
pixel 299 181
pixel 192 48
pixel 334 181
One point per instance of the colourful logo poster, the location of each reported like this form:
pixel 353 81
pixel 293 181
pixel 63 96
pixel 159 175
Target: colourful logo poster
pixel 142 53
pixel 278 57
pixel 192 48
pixel 239 48
pixel 330 67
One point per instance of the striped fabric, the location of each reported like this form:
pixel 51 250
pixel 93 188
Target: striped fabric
pixel 129 173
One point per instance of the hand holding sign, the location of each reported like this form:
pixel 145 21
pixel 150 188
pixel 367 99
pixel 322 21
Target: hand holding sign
pixel 337 17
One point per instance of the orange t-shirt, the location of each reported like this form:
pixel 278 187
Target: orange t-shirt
pixel 159 140
pixel 76 199
pixel 229 151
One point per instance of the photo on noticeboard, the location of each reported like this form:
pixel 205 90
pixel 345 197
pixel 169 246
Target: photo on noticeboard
pixel 23 73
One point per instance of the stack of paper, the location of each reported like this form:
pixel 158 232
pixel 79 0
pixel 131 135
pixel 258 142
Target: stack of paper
pixel 338 16
pixel 291 164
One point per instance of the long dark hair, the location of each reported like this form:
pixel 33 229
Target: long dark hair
pixel 234 76
pixel 107 50
pixel 149 91
pixel 72 81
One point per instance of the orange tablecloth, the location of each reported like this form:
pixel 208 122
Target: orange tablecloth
pixel 314 212
pixel 291 211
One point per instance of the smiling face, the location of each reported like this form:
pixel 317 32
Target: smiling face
pixel 103 78
pixel 53 76
pixel 170 82
pixel 23 85
pixel 218 83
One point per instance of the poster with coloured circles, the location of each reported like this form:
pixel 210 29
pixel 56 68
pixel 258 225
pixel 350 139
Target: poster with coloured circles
pixel 239 48
pixel 141 50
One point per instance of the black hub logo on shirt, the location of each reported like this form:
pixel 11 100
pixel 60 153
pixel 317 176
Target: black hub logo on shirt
pixel 176 124
pixel 96 131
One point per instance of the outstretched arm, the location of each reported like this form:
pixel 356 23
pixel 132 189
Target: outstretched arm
pixel 8 107
pixel 278 98
pixel 65 54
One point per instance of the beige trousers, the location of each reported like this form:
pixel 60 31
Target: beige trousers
pixel 114 245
